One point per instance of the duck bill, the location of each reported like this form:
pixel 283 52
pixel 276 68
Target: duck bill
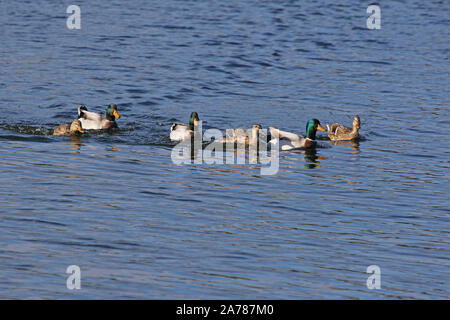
pixel 81 131
pixel 195 122
pixel 116 114
pixel 319 127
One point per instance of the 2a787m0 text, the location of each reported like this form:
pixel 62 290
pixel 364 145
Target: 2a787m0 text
pixel 235 309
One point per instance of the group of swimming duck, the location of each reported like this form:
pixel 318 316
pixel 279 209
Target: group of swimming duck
pixel 89 121
pixel 286 140
pixel 178 131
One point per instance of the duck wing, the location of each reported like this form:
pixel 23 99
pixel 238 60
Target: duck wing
pixel 344 130
pixel 279 134
pixel 179 127
pixel 180 131
pixel 336 130
pixel 288 140
pixel 92 116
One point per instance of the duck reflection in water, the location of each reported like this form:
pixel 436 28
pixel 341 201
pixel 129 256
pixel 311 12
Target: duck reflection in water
pixel 75 141
pixel 354 144
pixel 312 159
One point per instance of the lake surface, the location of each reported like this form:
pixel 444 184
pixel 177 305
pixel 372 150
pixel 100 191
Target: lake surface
pixel 140 226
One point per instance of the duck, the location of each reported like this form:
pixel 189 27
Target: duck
pixel 68 129
pixel 289 141
pixel 96 121
pixel 181 131
pixel 242 135
pixel 337 132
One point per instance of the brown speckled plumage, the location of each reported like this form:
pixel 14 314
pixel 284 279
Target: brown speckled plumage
pixel 67 130
pixel 337 132
pixel 242 136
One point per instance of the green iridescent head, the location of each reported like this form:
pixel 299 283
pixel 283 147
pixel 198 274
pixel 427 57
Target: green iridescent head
pixel 311 128
pixel 193 120
pixel 111 112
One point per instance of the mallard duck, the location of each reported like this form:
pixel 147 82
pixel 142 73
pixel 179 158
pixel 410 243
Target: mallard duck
pixel 68 129
pixel 337 132
pixel 288 140
pixel 97 121
pixel 181 131
pixel 241 135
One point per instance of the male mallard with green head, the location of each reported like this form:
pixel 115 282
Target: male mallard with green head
pixel 96 121
pixel 181 131
pixel 337 132
pixel 288 140
pixel 67 130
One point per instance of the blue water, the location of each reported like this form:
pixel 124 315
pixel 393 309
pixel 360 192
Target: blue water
pixel 140 226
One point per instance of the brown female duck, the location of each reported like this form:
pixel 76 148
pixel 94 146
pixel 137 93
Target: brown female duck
pixel 337 132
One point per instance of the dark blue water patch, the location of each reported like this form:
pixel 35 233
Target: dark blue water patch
pixel 56 105
pixel 123 67
pixel 75 244
pixel 90 67
pixel 182 45
pixel 359 28
pixel 263 64
pixel 422 130
pixel 40 88
pixel 233 43
pixel 369 61
pixel 119 37
pixel 212 43
pixel 148 103
pixel 282 27
pixel 187 90
pixel 124 105
pixel 378 134
pixel 171 27
pixel 420 155
pixel 127 244
pixel 351 61
pixel 377 41
pixel 174 97
pixel 52 223
pixel 250 82
pixel 82 48
pixel 216 69
pixel 152 193
pixel 137 91
pixel 320 59
pixel 101 91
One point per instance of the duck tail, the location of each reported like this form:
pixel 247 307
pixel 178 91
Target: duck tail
pixel 81 110
pixel 274 132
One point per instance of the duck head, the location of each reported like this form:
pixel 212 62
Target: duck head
pixel 193 120
pixel 311 128
pixel 257 127
pixel 111 112
pixel 356 122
